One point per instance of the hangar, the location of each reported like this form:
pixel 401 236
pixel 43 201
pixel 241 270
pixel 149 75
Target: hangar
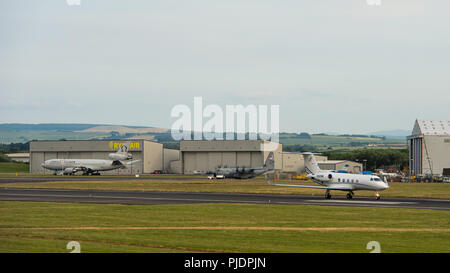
pixel 429 148
pixel 200 156
pixel 335 165
pixel 151 154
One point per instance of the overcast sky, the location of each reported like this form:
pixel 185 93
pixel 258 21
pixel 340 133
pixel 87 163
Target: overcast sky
pixel 332 66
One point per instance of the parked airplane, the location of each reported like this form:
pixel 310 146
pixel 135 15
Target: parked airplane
pixel 338 181
pixel 91 166
pixel 245 173
pixel 388 175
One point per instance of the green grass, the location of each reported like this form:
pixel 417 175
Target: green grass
pixel 257 185
pixel 14 167
pixel 13 136
pixel 30 227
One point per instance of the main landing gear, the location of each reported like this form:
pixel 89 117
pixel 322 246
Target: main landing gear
pixel 350 195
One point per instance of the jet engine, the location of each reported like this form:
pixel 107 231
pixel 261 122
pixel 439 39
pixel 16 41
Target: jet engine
pixel 69 170
pixel 120 156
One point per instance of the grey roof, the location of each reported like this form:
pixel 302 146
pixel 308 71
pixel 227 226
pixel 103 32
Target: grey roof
pixel 431 127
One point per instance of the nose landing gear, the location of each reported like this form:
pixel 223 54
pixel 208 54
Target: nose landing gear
pixel 377 195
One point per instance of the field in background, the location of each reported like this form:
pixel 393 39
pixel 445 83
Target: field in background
pixel 14 167
pixel 48 227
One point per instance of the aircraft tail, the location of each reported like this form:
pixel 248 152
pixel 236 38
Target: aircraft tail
pixel 123 149
pixel 270 162
pixel 121 153
pixel 311 165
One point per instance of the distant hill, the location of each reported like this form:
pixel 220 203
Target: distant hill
pixel 53 126
pixel 396 134
pixel 123 129
pixel 45 126
pixel 22 132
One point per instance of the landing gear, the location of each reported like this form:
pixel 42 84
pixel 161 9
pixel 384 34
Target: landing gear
pixel 350 195
pixel 377 195
pixel 327 195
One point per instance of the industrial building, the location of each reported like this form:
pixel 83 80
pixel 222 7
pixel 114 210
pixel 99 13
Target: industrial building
pixel 19 157
pixel 429 148
pixel 344 165
pixel 294 163
pixel 200 156
pixel 194 156
pixel 152 155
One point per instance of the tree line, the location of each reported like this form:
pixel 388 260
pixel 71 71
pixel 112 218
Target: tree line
pixel 375 158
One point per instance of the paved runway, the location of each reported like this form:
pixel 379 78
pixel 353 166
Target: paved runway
pixel 153 198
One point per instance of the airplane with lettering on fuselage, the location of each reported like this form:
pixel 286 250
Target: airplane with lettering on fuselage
pixel 245 173
pixel 92 166
pixel 339 181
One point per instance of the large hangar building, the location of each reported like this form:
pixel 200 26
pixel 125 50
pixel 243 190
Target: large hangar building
pixel 152 155
pixel 203 155
pixel 429 148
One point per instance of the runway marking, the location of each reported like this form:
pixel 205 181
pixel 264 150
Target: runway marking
pixel 362 202
pixel 206 200
pixel 342 229
pixel 135 198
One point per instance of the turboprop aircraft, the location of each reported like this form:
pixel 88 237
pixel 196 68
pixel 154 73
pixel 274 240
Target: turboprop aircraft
pixel 338 181
pixel 92 166
pixel 244 173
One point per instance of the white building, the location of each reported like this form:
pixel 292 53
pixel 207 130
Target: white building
pixel 429 147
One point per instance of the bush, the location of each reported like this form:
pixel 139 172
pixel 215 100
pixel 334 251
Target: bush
pixel 4 158
pixel 375 157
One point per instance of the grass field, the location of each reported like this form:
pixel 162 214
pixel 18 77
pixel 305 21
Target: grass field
pixel 257 185
pixel 48 227
pixel 14 167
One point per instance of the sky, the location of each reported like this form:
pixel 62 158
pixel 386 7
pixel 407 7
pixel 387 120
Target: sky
pixel 331 66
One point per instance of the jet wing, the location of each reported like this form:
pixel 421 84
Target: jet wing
pixel 133 161
pixel 124 165
pixel 338 188
pixel 300 186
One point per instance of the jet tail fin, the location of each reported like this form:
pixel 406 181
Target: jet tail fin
pixel 123 149
pixel 270 162
pixel 311 165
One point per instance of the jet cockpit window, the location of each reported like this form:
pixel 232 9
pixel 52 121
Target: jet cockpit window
pixel 376 179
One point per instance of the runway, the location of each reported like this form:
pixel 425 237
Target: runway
pixel 155 198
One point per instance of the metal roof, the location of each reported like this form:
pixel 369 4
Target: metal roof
pixel 431 127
